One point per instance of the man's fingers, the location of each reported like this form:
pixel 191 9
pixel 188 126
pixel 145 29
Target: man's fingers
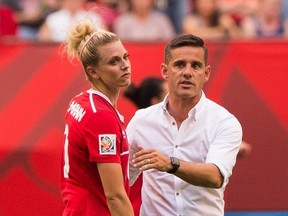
pixel 142 152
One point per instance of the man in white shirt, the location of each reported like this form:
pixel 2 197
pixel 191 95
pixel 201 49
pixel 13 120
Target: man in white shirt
pixel 186 145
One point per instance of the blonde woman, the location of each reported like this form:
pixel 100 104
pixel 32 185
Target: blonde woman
pixel 95 155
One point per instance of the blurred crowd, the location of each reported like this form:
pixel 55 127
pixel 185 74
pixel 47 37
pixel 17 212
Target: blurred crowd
pixel 146 20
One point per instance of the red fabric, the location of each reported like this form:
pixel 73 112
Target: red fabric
pixel 85 130
pixel 135 195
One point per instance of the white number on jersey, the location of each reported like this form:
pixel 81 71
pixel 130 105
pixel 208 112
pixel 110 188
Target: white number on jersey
pixel 66 156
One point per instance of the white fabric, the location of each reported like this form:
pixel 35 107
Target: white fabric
pixel 60 22
pixel 209 135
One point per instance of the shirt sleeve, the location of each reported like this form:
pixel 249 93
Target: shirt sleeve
pixel 224 149
pixel 103 137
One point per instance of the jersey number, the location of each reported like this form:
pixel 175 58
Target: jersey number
pixel 66 156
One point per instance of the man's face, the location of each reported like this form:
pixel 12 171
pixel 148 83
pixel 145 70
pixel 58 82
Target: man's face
pixel 186 72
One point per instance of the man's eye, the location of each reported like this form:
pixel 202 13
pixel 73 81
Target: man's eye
pixel 179 65
pixel 196 66
pixel 126 57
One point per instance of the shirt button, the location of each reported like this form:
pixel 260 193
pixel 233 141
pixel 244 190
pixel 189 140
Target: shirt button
pixel 176 146
pixel 177 194
pixel 173 123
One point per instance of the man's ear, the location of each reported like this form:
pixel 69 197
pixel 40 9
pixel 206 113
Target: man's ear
pixel 164 71
pixel 92 72
pixel 207 72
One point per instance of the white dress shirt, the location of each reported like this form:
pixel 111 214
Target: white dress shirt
pixel 210 134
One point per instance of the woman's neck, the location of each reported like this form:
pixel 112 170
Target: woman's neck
pixel 110 93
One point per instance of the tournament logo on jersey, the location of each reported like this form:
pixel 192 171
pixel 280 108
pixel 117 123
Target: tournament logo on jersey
pixel 107 144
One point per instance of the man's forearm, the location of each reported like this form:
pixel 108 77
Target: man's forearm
pixel 200 174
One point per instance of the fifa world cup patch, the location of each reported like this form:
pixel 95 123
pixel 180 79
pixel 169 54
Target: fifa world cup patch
pixel 107 144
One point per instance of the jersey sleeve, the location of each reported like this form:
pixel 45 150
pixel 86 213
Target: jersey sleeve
pixel 103 137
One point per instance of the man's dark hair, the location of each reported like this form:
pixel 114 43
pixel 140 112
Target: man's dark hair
pixel 185 40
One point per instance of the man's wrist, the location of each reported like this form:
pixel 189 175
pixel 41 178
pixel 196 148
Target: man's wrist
pixel 175 165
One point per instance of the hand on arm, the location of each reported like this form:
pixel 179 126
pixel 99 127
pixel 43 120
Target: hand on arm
pixel 112 181
pixel 199 174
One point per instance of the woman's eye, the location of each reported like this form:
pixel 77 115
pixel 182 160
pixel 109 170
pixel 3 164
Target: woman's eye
pixel 113 62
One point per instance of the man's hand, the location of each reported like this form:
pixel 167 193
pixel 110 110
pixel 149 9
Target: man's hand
pixel 146 159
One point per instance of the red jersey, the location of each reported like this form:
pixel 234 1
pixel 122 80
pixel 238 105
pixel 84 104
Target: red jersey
pixel 94 133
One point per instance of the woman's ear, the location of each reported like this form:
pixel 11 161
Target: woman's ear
pixel 92 72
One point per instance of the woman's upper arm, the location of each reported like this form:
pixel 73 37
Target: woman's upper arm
pixel 114 189
pixel 111 178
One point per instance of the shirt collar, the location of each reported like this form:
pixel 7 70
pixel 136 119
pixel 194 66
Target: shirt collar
pixel 194 112
pixel 198 107
pixel 93 91
pixel 164 104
